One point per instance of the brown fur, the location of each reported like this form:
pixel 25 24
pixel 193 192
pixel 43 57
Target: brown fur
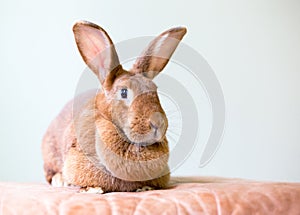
pixel 108 142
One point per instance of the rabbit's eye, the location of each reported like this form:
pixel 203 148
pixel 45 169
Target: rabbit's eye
pixel 124 93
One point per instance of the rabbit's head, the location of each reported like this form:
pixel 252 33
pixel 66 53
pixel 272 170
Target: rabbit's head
pixel 134 105
pixel 129 98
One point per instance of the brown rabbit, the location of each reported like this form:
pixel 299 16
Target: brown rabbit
pixel 116 141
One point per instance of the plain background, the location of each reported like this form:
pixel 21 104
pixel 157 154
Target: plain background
pixel 253 47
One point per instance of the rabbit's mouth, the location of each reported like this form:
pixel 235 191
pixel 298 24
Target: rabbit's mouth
pixel 146 139
pixel 153 136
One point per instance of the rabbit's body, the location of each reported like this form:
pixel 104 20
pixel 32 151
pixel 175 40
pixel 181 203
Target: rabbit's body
pixel 113 139
pixel 63 154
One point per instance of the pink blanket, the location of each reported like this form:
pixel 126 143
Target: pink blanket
pixel 184 196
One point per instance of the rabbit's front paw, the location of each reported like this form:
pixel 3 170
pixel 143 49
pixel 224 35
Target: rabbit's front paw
pixel 58 181
pixel 145 188
pixel 95 190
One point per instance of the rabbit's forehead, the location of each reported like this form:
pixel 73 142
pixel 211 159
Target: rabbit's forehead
pixel 137 83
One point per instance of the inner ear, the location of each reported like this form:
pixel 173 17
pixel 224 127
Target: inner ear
pixel 96 49
pixel 156 56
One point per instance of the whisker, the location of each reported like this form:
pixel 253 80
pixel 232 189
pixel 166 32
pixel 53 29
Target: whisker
pixel 173 132
pixel 175 129
pixel 173 113
pixel 175 126
pixel 173 141
pixel 171 109
pixel 174 118
pixel 172 138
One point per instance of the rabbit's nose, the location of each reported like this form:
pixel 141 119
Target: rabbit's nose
pixel 157 121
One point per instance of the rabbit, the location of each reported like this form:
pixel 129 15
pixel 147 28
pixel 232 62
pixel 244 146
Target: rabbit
pixel 116 140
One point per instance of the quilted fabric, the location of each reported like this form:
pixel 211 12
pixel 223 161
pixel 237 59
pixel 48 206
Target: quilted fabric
pixel 184 196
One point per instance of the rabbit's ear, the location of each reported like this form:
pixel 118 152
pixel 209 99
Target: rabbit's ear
pixel 96 49
pixel 156 56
